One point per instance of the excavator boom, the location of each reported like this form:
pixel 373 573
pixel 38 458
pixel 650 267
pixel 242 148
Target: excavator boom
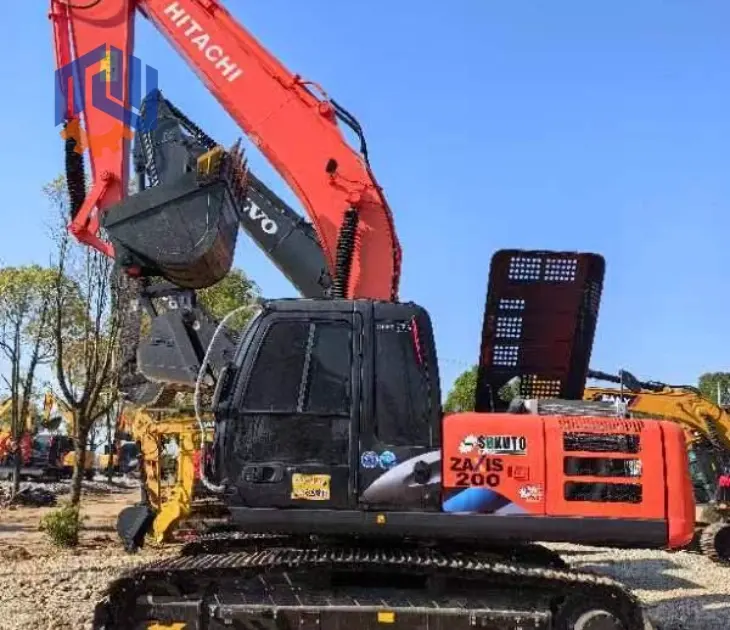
pixel 292 121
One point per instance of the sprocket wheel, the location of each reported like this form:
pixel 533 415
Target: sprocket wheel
pixel 715 542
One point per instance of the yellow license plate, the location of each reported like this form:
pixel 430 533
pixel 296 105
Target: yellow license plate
pixel 310 487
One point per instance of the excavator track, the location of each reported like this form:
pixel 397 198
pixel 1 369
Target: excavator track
pixel 271 583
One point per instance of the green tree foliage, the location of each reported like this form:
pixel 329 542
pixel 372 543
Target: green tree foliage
pixel 463 393
pixel 25 341
pixel 235 290
pixel 25 306
pixel 709 383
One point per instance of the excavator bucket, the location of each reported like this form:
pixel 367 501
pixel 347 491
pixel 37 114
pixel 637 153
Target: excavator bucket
pixel 133 524
pixel 184 231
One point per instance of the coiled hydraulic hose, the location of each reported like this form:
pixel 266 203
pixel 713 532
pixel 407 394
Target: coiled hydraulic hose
pixel 199 382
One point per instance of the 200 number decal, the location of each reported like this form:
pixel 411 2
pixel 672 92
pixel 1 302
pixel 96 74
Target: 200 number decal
pixel 490 480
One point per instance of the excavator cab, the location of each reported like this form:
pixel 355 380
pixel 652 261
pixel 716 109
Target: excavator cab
pixel 183 226
pixel 352 422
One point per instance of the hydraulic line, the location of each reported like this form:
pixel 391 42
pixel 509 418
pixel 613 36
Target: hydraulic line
pixel 345 249
pixel 75 175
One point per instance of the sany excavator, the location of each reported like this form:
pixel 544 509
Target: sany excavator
pixel 707 427
pixel 353 500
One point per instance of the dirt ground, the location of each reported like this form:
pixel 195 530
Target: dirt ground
pixel 42 588
pixel 19 525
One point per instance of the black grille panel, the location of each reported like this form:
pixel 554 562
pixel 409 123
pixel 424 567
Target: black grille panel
pixel 602 442
pixel 603 492
pixel 601 467
pixel 539 322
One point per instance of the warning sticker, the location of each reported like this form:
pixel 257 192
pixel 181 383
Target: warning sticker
pixel 310 487
pixel 531 493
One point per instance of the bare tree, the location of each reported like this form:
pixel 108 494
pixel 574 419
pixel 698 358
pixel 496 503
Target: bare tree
pixel 25 340
pixel 86 331
pixel 115 431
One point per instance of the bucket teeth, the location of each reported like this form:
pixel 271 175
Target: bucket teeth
pixel 238 174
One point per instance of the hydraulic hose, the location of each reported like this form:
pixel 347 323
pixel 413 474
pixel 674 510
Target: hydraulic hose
pixel 198 384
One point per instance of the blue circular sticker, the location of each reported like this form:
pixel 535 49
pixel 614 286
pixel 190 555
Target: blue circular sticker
pixel 387 459
pixel 369 459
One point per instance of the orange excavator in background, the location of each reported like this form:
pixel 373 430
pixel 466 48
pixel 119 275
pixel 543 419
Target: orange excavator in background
pixel 353 499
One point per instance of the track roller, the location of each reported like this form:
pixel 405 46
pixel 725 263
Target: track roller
pixel 577 613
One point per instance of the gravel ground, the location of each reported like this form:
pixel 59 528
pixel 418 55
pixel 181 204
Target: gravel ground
pixel 681 590
pixel 45 589
pixel 59 592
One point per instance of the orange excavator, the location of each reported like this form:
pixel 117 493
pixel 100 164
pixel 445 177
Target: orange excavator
pixel 353 499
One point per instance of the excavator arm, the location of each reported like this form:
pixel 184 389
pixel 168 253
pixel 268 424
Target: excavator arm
pixel 292 121
pixel 683 404
pixel 175 350
pixel 287 239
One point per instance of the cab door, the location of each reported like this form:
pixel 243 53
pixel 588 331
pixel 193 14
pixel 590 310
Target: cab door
pixel 396 431
pixel 295 427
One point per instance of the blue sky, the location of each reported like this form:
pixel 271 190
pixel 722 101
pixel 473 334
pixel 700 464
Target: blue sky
pixel 575 125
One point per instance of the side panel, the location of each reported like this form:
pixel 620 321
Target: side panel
pixel 605 467
pixel 680 492
pixel 493 464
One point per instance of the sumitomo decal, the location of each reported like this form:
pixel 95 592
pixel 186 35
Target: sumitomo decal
pixel 213 52
pixel 494 444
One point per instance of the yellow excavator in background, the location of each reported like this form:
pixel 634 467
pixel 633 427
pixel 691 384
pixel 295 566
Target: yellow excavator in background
pixel 39 447
pixel 62 412
pixel 707 429
pixel 6 436
pixel 6 405
pixel 170 477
